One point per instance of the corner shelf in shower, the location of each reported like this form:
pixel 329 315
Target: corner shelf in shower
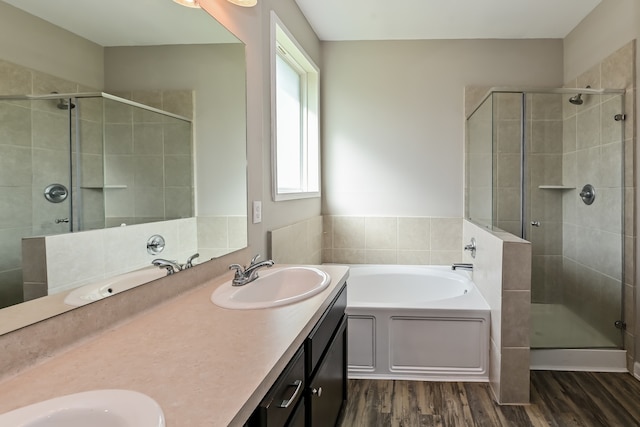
pixel 104 187
pixel 555 187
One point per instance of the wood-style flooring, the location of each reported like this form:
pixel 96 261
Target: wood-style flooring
pixel 557 399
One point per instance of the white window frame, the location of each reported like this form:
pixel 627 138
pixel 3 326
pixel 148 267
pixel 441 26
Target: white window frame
pixel 283 41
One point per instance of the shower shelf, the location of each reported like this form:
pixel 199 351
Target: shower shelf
pixel 104 187
pixel 555 187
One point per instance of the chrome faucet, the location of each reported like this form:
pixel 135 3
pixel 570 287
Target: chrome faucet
pixel 189 262
pixel 250 273
pixel 462 266
pixel 171 266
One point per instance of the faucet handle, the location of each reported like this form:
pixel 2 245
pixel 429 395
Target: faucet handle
pixel 238 268
pixel 254 259
pixel 189 262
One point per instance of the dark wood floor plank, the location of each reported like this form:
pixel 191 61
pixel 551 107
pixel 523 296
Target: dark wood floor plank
pixel 558 399
pixel 625 388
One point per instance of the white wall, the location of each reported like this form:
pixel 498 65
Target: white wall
pixel 393 118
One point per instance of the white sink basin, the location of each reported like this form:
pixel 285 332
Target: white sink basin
pixel 112 285
pixel 274 287
pixel 98 408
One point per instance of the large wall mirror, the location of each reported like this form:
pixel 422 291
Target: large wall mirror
pixel 122 118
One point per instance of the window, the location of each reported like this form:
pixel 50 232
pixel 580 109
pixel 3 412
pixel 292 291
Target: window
pixel 295 122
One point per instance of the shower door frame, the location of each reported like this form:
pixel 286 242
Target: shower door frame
pixel 524 163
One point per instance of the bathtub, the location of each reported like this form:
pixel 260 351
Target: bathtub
pixel 416 323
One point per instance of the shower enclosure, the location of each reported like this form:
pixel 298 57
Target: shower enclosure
pixel 75 162
pixel 547 165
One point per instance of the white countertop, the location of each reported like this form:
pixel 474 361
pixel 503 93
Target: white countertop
pixel 204 365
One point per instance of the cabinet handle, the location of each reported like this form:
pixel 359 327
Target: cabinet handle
pixel 317 391
pixel 298 385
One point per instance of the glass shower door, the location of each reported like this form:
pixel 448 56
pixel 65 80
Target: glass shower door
pixel 573 217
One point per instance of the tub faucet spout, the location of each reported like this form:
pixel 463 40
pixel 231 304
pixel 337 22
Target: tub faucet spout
pixel 170 266
pixel 462 266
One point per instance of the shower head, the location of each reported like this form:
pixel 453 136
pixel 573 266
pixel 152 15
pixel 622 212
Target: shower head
pixel 65 104
pixel 577 99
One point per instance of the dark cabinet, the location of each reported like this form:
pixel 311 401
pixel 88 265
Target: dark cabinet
pixel 278 405
pixel 312 389
pixel 327 390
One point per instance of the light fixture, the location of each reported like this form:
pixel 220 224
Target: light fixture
pixel 244 3
pixel 188 3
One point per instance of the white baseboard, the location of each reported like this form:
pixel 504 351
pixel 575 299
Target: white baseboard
pixel 590 360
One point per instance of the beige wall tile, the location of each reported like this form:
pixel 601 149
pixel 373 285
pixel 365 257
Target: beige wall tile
pixel 516 267
pixel 516 327
pixel 446 234
pixel 514 385
pixel 414 233
pixel 381 233
pixel 348 232
pixel 417 257
pixel 381 256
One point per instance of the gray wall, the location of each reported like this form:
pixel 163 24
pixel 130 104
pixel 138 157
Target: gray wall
pixel 61 53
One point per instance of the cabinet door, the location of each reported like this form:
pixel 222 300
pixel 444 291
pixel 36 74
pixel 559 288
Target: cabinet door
pixel 328 389
pixel 297 419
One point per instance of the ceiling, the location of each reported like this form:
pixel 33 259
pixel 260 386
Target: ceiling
pixel 444 19
pixel 129 23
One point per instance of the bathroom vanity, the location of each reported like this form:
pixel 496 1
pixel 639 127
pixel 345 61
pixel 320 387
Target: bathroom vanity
pixel 206 365
pixel 312 389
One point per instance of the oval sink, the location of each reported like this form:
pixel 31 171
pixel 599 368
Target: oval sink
pixel 112 285
pixel 274 287
pixel 97 408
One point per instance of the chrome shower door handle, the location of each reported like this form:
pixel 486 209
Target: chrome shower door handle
pixel 535 223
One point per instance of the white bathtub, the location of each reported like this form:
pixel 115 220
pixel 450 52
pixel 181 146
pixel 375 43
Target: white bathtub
pixel 416 322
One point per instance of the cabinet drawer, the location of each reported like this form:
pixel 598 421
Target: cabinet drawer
pixel 278 405
pixel 319 338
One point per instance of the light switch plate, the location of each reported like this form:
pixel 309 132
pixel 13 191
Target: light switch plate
pixel 257 211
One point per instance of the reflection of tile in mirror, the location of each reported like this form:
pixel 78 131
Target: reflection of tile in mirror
pixel 90 137
pixel 15 125
pixel 178 202
pixel 178 102
pixel 117 112
pixel 15 165
pixel 177 138
pixel 178 171
pixel 14 79
pixel 148 171
pixel 118 139
pixel 147 138
pixel 50 131
pixel 149 202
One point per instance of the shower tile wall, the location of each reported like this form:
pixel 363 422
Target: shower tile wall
pixel 391 240
pixel 148 158
pixel 543 136
pixel 32 140
pixel 592 155
pixel 544 152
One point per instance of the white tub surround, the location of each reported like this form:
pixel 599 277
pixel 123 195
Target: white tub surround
pixel 204 365
pixel 418 323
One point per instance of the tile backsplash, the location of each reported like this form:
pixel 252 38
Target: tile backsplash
pixel 391 240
